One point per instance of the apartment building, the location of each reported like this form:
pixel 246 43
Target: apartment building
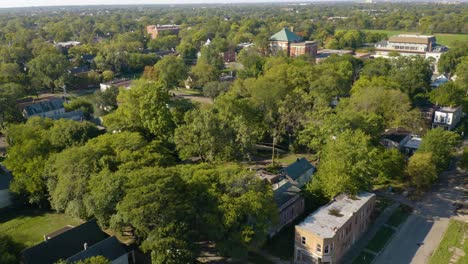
pixel 326 235
pixel 294 46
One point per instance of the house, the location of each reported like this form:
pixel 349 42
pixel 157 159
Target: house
pixel 292 44
pixel 395 138
pixel 48 107
pixel 410 45
pixel 326 235
pixel 77 243
pixel 401 139
pixel 154 30
pixel 286 185
pixel 447 117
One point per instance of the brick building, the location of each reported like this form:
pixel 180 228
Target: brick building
pixel 154 30
pixel 326 235
pixel 292 44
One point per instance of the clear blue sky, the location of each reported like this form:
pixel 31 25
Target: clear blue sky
pixel 22 3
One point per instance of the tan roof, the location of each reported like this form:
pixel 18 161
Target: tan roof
pixel 416 39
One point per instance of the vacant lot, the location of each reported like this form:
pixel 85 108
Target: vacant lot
pixel 444 39
pixel 28 226
pixel 454 245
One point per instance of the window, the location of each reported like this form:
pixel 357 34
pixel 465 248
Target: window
pixel 326 249
pixel 319 248
pixel 303 240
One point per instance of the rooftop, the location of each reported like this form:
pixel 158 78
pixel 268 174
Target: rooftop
pixel 415 39
pixel 325 225
pixel 396 134
pixel 413 143
pixel 109 248
pixel 42 105
pixel 298 168
pixel 64 245
pixel 286 35
pixel 448 109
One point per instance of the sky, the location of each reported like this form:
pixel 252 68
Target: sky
pixel 24 3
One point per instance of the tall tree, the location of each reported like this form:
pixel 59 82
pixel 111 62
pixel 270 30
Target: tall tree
pixel 421 170
pixel 49 70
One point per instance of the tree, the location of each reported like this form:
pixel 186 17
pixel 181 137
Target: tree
pixel 205 136
pixel 144 108
pixel 30 146
pixel 170 71
pixel 159 212
pixel 348 164
pixel 80 104
pixel 421 170
pixel 107 75
pixel 214 89
pixel 441 144
pixel 49 70
pixel 204 73
pixel 413 74
pixel 9 250
pixel 391 166
pixel 106 101
pixel 448 94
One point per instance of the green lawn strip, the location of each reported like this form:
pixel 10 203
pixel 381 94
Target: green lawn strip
pixel 29 226
pixel 380 239
pixel 452 239
pixel 364 258
pixel 398 217
pixel 258 259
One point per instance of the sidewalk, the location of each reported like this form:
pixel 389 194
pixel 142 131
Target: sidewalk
pixel 361 244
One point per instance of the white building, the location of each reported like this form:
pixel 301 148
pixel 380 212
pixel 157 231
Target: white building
pixel 447 117
pixel 410 45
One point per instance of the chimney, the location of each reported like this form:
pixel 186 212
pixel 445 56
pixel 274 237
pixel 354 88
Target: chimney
pixel 291 28
pixel 85 246
pixel 45 238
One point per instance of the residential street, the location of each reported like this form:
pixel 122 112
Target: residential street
pixel 422 232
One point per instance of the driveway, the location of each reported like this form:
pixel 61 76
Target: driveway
pixel 422 232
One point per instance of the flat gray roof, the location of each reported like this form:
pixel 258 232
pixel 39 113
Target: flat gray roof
pixel 324 224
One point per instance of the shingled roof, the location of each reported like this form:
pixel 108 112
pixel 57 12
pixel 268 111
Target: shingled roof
pixel 298 168
pixel 286 35
pixel 64 245
pixel 109 248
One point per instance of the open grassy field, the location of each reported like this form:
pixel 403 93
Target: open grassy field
pixel 28 226
pixel 444 39
pixel 454 245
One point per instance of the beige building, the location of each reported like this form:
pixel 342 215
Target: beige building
pixel 326 235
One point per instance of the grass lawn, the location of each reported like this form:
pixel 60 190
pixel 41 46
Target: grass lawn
pixel 452 239
pixel 398 217
pixel 364 258
pixel 444 39
pixel 380 239
pixel 28 226
pixel 256 258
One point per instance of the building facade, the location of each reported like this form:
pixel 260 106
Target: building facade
pixel 154 30
pixel 293 45
pixel 326 235
pixel 447 117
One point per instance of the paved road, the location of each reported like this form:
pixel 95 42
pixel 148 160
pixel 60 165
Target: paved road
pixel 422 232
